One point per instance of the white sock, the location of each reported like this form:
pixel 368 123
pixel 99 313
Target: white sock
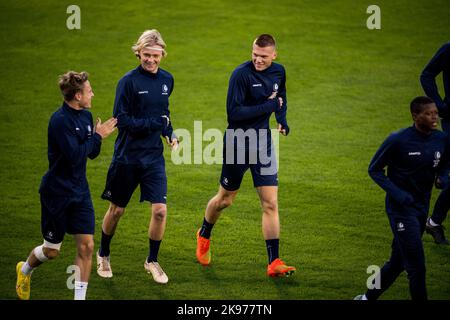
pixel 432 223
pixel 364 297
pixel 80 290
pixel 26 268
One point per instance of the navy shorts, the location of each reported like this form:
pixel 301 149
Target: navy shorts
pixel 61 215
pixel 261 162
pixel 232 175
pixel 123 179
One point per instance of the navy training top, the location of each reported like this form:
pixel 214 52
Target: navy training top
pixel 141 99
pixel 413 160
pixel 248 90
pixel 71 140
pixel 248 108
pixel 439 63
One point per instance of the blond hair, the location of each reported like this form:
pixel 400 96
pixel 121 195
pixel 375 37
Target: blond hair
pixel 72 82
pixel 148 39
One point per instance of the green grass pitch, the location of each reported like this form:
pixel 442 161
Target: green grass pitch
pixel 348 88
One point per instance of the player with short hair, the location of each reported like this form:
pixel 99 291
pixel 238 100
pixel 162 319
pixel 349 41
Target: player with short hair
pixel 439 63
pixel 142 110
pixel 257 89
pixel 65 198
pixel 414 158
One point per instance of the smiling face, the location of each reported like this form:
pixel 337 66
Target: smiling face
pixel 427 119
pixel 151 58
pixel 84 96
pixel 262 57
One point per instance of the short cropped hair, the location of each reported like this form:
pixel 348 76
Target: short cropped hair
pixel 149 38
pixel 265 40
pixel 72 82
pixel 418 103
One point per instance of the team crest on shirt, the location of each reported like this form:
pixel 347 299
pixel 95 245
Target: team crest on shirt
pixel 400 226
pixel 165 89
pixel 437 158
pixel 275 87
pixel 89 130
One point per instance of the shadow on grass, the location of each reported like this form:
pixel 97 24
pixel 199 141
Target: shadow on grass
pixel 209 275
pixel 284 286
pixel 109 285
pixel 440 250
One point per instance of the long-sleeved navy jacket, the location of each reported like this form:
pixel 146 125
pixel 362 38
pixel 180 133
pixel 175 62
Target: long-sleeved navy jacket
pixel 413 161
pixel 439 63
pixel 141 99
pixel 71 140
pixel 248 90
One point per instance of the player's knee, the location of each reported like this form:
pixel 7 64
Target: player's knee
pixel 50 253
pixel 416 270
pixel 416 275
pixel 159 213
pixel 270 206
pixel 225 202
pixel 86 249
pixel 117 212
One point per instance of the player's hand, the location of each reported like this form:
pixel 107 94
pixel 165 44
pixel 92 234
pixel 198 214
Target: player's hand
pixel 441 182
pixel 437 183
pixel 273 95
pixel 283 129
pixel 280 99
pixel 172 143
pixel 280 102
pixel 279 105
pixel 106 128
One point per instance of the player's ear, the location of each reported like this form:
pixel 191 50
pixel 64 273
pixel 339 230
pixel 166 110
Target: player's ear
pixel 274 54
pixel 78 95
